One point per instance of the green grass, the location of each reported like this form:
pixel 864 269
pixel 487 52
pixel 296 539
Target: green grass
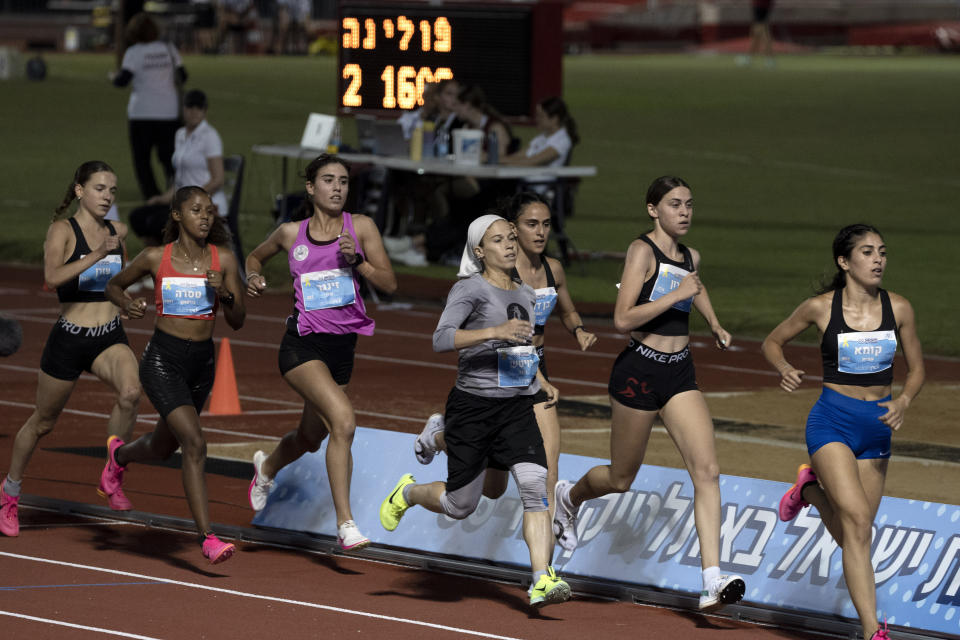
pixel 779 160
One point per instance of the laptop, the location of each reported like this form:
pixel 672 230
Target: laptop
pixel 381 137
pixel 316 135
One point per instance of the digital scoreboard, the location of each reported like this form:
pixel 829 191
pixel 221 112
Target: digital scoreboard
pixel 389 50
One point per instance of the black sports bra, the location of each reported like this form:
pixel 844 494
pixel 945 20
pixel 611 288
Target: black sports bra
pixel 675 321
pixel 89 285
pixel 859 358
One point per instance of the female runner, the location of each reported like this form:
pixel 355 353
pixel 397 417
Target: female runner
pixel 195 273
pixel 530 215
pixel 655 374
pixel 849 428
pixel 489 413
pixel 327 250
pixel 88 335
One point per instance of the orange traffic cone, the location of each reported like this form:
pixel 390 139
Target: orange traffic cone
pixel 225 401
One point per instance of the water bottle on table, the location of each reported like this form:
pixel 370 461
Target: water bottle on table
pixel 493 148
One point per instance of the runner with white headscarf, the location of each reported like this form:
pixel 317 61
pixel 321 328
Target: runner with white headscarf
pixel 489 414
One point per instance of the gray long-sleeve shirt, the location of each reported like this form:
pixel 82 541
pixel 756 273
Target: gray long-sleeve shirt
pixel 474 303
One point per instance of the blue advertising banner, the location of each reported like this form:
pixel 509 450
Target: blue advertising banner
pixel 647 535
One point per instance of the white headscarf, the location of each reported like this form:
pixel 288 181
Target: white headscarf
pixel 469 263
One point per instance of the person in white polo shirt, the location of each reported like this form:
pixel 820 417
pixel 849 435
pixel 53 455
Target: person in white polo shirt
pixel 155 69
pixel 558 134
pixel 197 160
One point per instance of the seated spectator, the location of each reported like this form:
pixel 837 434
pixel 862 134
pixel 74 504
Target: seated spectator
pixel 197 161
pixel 446 118
pixel 236 17
pixel 426 113
pixel 472 108
pixel 551 147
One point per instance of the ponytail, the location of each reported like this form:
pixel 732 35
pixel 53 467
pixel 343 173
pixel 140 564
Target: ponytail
pixel 67 199
pixel 557 108
pixel 843 245
pixel 80 177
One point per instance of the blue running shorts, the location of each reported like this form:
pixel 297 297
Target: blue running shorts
pixel 856 423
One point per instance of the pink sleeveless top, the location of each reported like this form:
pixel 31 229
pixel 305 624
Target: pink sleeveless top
pixel 326 290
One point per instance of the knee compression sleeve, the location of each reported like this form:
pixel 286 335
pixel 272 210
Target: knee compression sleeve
pixel 460 503
pixel 532 481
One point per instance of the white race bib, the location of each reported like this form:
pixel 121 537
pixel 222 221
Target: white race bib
pixel 668 279
pixel 865 351
pixel 95 277
pixel 546 301
pixel 183 296
pixel 327 289
pixel 516 366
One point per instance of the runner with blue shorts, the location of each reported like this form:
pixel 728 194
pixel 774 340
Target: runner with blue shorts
pixel 849 429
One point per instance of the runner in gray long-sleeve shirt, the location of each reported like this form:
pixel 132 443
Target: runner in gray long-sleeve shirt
pixel 489 414
pixel 474 303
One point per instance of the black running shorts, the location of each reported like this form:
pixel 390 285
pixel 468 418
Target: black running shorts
pixel 71 349
pixel 336 350
pixel 495 432
pixel 175 372
pixel 646 379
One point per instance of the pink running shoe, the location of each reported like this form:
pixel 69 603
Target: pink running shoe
pixel 9 520
pixel 881 634
pixel 216 550
pixel 792 501
pixel 111 478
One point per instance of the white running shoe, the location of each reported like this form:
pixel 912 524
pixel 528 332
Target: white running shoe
pixel 260 485
pixel 564 518
pixel 349 536
pixel 724 590
pixel 425 446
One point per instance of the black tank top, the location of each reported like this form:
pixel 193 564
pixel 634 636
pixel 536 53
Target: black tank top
pixel 675 321
pixel 89 285
pixel 859 358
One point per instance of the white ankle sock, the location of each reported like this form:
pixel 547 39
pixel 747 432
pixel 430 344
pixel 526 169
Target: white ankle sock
pixel 709 575
pixel 11 488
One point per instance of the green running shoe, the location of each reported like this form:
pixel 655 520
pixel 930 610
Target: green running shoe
pixel 394 506
pixel 550 589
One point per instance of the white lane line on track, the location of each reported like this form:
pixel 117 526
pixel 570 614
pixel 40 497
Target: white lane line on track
pixel 73 625
pixel 256 596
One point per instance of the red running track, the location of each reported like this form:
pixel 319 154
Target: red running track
pixel 84 577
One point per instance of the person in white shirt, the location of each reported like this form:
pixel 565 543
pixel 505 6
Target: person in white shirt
pixel 558 134
pixel 155 69
pixel 197 160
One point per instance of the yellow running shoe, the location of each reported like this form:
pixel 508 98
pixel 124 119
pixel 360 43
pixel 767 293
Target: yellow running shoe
pixel 550 589
pixel 394 506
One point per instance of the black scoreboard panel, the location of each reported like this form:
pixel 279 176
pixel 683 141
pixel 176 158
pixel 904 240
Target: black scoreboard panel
pixel 388 51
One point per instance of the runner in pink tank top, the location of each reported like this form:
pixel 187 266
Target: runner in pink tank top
pixel 326 289
pixel 327 250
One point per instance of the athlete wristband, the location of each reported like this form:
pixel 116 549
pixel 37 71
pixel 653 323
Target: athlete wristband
pixel 579 327
pixel 359 261
pixel 227 299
